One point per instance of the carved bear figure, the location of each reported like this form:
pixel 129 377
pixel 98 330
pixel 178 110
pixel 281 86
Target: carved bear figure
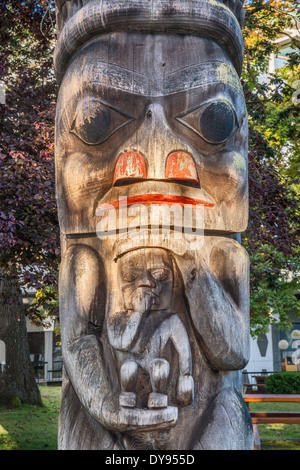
pixel 151 124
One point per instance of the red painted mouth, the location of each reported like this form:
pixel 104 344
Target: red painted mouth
pixel 160 199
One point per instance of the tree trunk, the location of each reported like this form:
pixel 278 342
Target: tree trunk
pixel 17 382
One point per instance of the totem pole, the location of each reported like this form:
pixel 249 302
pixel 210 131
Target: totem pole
pixel 151 181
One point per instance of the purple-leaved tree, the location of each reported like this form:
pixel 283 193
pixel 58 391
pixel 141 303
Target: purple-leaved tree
pixel 29 234
pixel 29 240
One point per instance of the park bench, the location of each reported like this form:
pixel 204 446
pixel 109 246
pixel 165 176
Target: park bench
pixel 258 387
pixel 260 379
pixel 250 388
pixel 270 417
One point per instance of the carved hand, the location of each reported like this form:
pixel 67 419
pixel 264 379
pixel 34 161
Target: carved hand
pixel 124 327
pixel 218 301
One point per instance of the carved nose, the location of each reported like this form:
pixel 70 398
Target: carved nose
pixel 156 152
pixel 181 167
pixel 147 281
pixel 130 166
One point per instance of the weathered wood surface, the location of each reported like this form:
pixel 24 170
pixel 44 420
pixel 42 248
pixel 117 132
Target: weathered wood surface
pixel 145 94
pixel 151 175
pixel 80 21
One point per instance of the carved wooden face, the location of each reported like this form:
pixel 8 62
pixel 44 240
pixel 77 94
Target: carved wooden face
pixel 155 118
pixel 146 279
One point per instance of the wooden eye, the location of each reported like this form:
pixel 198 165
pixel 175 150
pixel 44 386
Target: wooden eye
pixel 95 121
pixel 160 275
pixel 92 122
pixel 129 275
pixel 214 122
pixel 217 122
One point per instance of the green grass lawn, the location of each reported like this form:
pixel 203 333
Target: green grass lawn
pixel 35 428
pixel 278 436
pixel 31 427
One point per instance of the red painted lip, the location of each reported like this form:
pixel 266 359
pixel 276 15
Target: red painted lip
pixel 160 199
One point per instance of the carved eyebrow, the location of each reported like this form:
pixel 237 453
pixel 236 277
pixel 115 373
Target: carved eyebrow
pixel 111 75
pixel 197 76
pixel 188 78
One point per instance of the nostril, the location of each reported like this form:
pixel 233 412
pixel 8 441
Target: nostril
pixel 148 281
pixel 181 166
pixel 130 166
pixel 149 114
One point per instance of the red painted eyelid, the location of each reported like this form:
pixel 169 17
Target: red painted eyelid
pixel 179 166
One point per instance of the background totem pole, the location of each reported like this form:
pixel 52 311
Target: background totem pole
pixel 151 171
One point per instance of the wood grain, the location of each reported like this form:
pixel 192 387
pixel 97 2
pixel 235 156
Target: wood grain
pixel 152 192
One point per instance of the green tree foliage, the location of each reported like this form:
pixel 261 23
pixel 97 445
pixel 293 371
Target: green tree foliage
pixel 28 222
pixel 27 131
pixel 272 27
pixel 29 234
pixel 272 238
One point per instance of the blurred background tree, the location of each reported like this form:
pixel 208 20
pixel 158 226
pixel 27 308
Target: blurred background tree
pixel 29 232
pixel 271 72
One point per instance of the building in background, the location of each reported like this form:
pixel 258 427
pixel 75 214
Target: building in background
pixel 44 348
pixel 277 350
